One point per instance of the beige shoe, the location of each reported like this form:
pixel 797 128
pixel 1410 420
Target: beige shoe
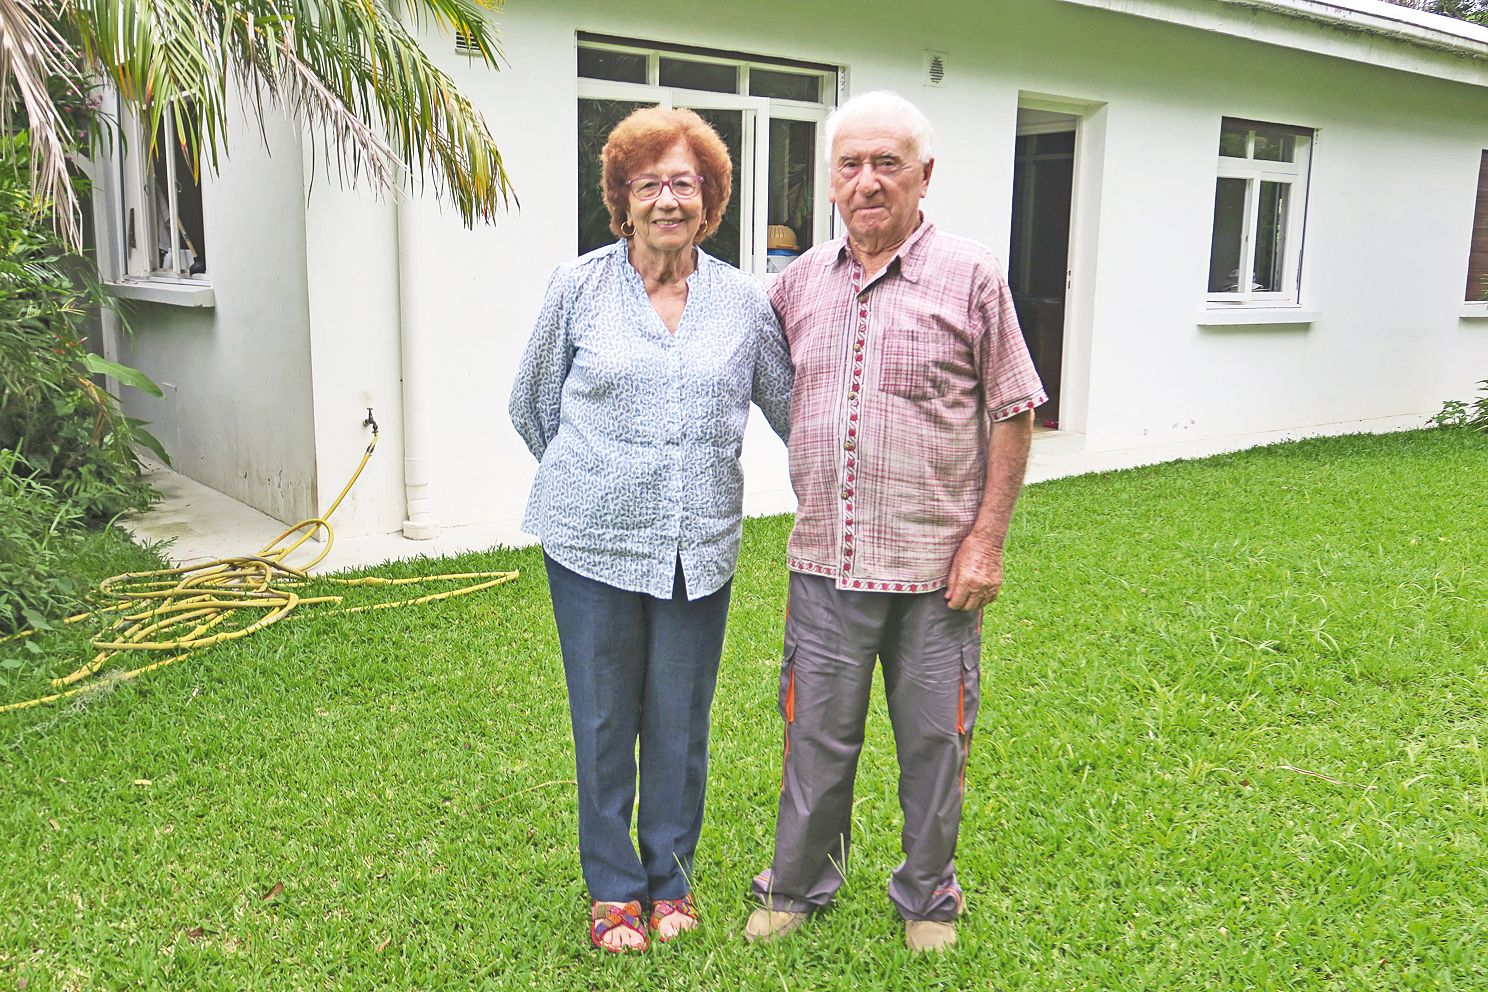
pixel 767 924
pixel 929 935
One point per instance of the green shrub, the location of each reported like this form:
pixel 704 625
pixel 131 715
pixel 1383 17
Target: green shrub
pixel 65 432
pixel 1469 413
pixel 35 525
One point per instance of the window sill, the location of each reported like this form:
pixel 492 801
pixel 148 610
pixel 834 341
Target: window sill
pixel 1244 316
pixel 1474 311
pixel 167 291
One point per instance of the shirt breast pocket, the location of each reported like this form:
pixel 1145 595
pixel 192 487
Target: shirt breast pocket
pixel 906 364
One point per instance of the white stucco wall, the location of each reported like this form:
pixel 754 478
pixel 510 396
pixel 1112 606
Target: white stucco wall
pixel 237 411
pixel 1394 167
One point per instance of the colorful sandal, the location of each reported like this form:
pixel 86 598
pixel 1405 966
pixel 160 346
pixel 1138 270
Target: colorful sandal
pixel 624 915
pixel 662 908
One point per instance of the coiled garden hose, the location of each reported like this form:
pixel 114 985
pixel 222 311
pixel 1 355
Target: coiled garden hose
pixel 178 611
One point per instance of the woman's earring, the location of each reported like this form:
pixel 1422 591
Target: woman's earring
pixel 627 224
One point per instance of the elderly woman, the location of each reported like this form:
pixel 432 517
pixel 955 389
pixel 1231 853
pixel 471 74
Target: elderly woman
pixel 633 395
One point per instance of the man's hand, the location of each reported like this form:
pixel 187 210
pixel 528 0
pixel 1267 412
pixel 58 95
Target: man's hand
pixel 976 574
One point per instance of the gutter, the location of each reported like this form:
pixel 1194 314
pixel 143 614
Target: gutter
pixel 418 390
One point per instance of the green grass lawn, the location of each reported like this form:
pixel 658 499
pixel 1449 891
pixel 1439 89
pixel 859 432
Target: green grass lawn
pixel 1232 735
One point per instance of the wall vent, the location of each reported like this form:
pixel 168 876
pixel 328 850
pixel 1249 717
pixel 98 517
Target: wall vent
pixel 465 42
pixel 935 68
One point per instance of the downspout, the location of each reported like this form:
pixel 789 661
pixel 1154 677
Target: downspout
pixel 418 392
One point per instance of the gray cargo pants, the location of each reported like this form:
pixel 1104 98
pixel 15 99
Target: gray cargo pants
pixel 931 659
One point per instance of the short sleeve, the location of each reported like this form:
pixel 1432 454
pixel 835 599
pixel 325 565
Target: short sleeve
pixel 1010 383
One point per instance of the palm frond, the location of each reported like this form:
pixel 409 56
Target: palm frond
pixel 352 70
pixel 31 53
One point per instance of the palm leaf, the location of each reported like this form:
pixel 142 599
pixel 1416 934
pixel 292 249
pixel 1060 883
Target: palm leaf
pixel 31 53
pixel 352 71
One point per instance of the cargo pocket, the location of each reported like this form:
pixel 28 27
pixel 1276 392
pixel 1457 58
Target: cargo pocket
pixel 787 700
pixel 904 364
pixel 969 700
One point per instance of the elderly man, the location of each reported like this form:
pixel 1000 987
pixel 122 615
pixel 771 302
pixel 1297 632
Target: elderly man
pixel 910 428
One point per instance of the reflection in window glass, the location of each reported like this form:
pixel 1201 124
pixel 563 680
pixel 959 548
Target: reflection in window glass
pixel 1229 228
pixel 1271 215
pixel 792 182
pixel 1232 140
pixel 784 85
pixel 1274 146
pixel 622 67
pixel 596 119
pixel 710 76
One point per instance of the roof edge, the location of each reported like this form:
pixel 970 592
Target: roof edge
pixel 1414 41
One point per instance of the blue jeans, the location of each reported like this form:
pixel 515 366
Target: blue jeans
pixel 638 668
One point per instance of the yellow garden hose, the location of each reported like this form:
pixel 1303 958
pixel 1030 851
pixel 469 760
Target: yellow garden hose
pixel 176 611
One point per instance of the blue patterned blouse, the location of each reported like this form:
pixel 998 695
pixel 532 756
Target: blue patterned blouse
pixel 638 431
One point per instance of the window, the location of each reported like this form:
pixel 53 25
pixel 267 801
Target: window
pixel 162 225
pixel 769 113
pixel 1260 200
pixel 1477 256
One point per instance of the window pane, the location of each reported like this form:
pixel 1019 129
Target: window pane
pixel 784 85
pixel 700 76
pixel 1229 229
pixel 724 244
pixel 1232 140
pixel 622 67
pixel 180 238
pixel 791 209
pixel 1058 143
pixel 1274 145
pixel 1477 257
pixel 1270 254
pixel 596 119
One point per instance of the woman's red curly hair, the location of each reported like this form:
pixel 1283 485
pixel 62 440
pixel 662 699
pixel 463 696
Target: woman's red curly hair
pixel 648 134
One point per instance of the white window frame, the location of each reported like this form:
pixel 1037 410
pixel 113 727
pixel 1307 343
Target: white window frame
pixel 139 238
pixel 1294 174
pixel 758 113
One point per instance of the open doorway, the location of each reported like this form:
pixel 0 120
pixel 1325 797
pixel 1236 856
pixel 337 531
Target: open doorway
pixel 1039 253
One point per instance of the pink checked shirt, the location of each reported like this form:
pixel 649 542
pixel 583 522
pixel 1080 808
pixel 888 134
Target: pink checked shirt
pixel 897 381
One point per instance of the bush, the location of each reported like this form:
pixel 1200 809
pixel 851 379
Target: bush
pixel 67 451
pixel 1470 413
pixel 35 523
pixel 65 433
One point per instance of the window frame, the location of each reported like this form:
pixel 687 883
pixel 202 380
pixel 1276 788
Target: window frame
pixel 753 182
pixel 139 237
pixel 1475 287
pixel 1297 176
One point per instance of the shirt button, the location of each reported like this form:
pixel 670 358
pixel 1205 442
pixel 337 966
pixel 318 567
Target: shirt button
pixel 850 445
pixel 847 494
pixel 853 395
pixel 857 346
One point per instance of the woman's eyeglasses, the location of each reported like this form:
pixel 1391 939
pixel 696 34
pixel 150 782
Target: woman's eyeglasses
pixel 650 187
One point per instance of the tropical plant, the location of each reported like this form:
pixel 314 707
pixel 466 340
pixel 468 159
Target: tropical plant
pixel 35 524
pixel 1465 413
pixel 63 431
pixel 351 69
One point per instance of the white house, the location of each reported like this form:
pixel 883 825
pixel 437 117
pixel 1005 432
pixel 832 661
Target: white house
pixel 1226 221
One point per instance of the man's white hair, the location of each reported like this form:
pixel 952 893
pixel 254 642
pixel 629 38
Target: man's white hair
pixel 882 103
